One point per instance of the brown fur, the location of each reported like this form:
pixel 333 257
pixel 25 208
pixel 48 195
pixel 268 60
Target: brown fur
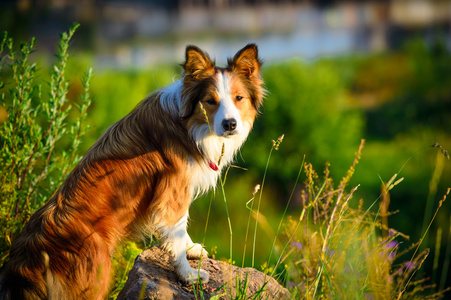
pixel 130 171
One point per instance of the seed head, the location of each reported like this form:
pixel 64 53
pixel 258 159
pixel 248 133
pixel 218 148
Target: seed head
pixel 204 112
pixel 256 189
pixel 277 143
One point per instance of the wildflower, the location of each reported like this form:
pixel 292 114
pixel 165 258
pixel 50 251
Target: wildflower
pixel 390 247
pixel 368 296
pixel 297 245
pixel 409 265
pixel 399 271
pixel 330 252
pixel 391 255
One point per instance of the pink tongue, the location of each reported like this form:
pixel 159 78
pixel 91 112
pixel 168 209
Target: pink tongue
pixel 213 166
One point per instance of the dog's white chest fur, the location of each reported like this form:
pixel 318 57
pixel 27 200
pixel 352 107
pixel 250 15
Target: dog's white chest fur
pixel 218 151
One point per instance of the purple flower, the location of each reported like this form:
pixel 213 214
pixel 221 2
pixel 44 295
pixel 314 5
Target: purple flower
pixel 368 296
pixel 391 249
pixel 391 245
pixel 330 252
pixel 391 255
pixel 297 245
pixel 409 265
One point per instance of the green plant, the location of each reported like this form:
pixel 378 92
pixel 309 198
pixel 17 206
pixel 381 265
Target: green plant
pixel 39 141
pixel 124 257
pixel 334 250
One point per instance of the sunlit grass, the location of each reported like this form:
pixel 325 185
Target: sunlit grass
pixel 332 250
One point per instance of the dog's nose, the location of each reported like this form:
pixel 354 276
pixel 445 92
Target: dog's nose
pixel 229 124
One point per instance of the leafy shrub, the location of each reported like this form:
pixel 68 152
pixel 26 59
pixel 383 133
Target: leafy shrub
pixel 32 164
pixel 117 92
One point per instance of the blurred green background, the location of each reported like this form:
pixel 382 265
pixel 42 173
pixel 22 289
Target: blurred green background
pixel 336 72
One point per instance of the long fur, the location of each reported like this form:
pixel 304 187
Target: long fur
pixel 139 178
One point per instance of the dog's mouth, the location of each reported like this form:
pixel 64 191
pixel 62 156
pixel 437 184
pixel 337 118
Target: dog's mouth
pixel 228 134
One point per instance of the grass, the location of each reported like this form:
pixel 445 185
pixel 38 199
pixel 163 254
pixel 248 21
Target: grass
pixel 332 250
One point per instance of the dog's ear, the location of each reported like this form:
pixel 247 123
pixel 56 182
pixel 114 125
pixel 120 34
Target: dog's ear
pixel 246 61
pixel 197 63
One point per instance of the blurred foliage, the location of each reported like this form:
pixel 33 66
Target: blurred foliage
pixel 423 98
pixel 117 93
pixel 308 104
pixel 123 260
pixel 335 251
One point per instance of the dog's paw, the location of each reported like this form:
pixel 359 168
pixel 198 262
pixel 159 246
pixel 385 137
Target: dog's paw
pixel 196 251
pixel 196 276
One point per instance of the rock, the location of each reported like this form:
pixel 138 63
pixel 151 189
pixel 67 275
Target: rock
pixel 153 277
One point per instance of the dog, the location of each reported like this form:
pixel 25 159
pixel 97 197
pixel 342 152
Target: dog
pixel 139 178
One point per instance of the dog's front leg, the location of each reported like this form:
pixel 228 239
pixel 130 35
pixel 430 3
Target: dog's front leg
pixel 175 241
pixel 194 250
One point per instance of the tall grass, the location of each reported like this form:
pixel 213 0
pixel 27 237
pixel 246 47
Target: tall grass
pixel 333 250
pixel 338 251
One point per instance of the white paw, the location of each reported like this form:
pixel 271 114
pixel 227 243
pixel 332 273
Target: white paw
pixel 195 276
pixel 196 251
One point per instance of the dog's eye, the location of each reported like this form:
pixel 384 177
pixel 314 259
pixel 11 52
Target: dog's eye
pixel 238 98
pixel 211 101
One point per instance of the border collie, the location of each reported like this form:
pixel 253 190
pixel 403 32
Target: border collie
pixel 138 179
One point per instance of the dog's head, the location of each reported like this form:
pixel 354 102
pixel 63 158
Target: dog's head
pixel 221 101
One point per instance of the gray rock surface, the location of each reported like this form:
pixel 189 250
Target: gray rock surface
pixel 153 277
